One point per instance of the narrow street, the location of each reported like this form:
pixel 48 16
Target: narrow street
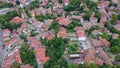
pixel 1 48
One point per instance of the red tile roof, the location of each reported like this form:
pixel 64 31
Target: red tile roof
pixel 99 61
pixel 102 54
pixel 62 33
pixel 80 32
pixel 6 32
pixel 14 56
pixel 11 42
pixel 117 27
pixel 76 17
pixel 37 11
pixel 105 42
pixel 17 20
pixel 89 55
pixel 64 21
pixel 41 55
pixel 48 35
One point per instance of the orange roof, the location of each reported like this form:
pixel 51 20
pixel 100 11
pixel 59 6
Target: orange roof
pixel 41 55
pixel 6 31
pixel 89 55
pixel 15 56
pixel 17 20
pixel 37 11
pixel 117 27
pixel 80 32
pixel 98 61
pixel 65 21
pixel 76 17
pixel 59 18
pixel 105 42
pixel 9 43
pixel 103 54
pixel 62 34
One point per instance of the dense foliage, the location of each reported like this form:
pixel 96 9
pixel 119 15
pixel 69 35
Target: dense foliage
pixel 5 5
pixel 28 56
pixel 87 15
pixel 115 46
pixel 43 17
pixel 71 27
pixel 33 33
pixel 72 48
pixel 5 20
pixel 54 26
pixel 74 5
pixel 23 37
pixel 55 49
pixel 34 4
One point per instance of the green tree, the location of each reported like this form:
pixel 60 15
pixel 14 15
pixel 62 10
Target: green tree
pixel 74 5
pixel 72 65
pixel 98 15
pixel 87 15
pixel 15 65
pixel 114 18
pixel 28 56
pixel 60 1
pixel 115 49
pixel 117 57
pixel 106 66
pixel 73 48
pixel 33 33
pixel 82 65
pixel 93 65
pixel 116 66
pixel 22 36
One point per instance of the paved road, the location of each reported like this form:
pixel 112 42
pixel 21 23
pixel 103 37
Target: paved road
pixel 1 48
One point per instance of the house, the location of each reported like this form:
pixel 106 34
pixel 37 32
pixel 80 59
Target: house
pixel 12 57
pixel 99 61
pixel 37 11
pixel 87 25
pixel 77 18
pixel 103 56
pixel 62 32
pixel 117 27
pixel 48 22
pixel 23 28
pixel 89 55
pixel 6 38
pixel 6 32
pixel 48 35
pixel 64 21
pixel 93 19
pixel 103 12
pixel 43 10
pixel 32 12
pixel 106 43
pixel 11 42
pixel 17 20
pixel 96 43
pixel 45 27
pixel 115 36
pixel 80 33
pixel 96 32
pixel 41 55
